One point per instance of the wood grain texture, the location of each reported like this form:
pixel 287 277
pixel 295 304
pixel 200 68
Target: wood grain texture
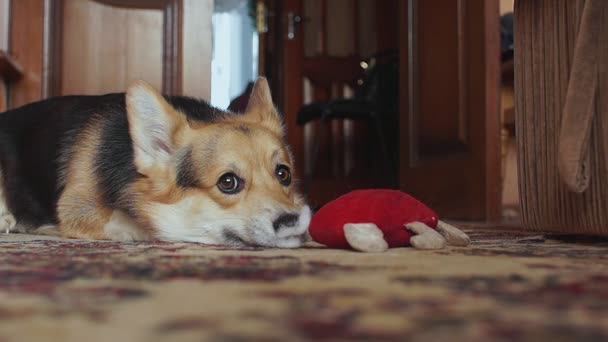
pixel 155 47
pixel 340 31
pixel 91 47
pixel 197 48
pixel 27 47
pixel 450 152
pixel 94 61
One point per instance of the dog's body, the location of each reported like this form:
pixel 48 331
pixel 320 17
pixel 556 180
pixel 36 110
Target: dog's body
pixel 140 166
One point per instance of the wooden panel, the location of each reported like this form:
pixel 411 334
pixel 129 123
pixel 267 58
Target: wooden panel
pixel 26 41
pixel 368 44
pixel 173 45
pixel 387 30
pixel 450 155
pixel 341 35
pixel 197 47
pixel 95 62
pixel 92 59
pixel 313 28
pixel 440 91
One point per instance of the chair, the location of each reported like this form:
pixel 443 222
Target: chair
pixel 375 101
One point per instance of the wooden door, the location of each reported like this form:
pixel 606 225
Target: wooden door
pixel 324 43
pixel 100 46
pixel 448 131
pixel 449 123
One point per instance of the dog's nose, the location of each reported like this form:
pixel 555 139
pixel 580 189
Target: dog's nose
pixel 285 220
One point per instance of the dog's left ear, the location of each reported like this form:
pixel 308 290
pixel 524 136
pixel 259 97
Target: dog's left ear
pixel 153 124
pixel 260 108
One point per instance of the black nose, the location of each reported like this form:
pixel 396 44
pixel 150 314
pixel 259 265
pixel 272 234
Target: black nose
pixel 288 220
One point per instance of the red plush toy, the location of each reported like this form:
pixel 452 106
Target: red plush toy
pixel 377 219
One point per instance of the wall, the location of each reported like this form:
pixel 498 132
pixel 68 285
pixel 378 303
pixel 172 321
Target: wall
pixel 4 11
pixel 235 51
pixel 506 6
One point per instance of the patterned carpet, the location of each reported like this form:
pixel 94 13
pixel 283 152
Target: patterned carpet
pixel 506 286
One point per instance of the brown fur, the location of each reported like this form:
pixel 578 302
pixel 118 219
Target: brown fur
pixel 80 209
pixel 251 145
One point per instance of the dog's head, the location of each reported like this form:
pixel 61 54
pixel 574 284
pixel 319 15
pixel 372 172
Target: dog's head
pixel 228 181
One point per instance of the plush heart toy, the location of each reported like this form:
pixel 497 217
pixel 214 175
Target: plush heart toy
pixel 374 220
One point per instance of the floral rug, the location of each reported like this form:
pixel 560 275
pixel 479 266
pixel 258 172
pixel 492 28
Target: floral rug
pixel 505 286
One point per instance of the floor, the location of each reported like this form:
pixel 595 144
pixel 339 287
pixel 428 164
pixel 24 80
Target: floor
pixel 505 286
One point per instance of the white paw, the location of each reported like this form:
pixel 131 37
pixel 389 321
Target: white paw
pixel 453 235
pixel 365 237
pixel 426 238
pixel 47 229
pixel 121 228
pixel 7 221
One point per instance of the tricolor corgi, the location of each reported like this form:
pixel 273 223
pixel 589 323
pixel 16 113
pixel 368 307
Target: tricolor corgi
pixel 143 166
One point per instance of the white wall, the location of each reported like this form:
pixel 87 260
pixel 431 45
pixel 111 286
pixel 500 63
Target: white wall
pixel 4 14
pixel 235 51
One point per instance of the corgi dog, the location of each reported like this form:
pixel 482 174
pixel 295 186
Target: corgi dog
pixel 142 166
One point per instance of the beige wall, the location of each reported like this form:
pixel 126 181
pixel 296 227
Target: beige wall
pixel 197 35
pixel 4 11
pixel 506 6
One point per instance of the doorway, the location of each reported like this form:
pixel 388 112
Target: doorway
pixel 442 143
pixel 234 63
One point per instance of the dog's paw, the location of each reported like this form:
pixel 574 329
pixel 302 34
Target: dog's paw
pixel 453 235
pixel 48 229
pixel 426 237
pixel 121 228
pixel 7 221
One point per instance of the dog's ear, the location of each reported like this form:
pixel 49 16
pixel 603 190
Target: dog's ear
pixel 260 108
pixel 153 124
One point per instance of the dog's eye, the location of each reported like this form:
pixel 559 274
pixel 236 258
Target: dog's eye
pixel 283 174
pixel 229 183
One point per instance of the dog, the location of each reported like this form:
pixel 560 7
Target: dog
pixel 143 166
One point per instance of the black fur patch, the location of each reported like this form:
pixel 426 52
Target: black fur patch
pixel 186 172
pixel 37 140
pixel 32 138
